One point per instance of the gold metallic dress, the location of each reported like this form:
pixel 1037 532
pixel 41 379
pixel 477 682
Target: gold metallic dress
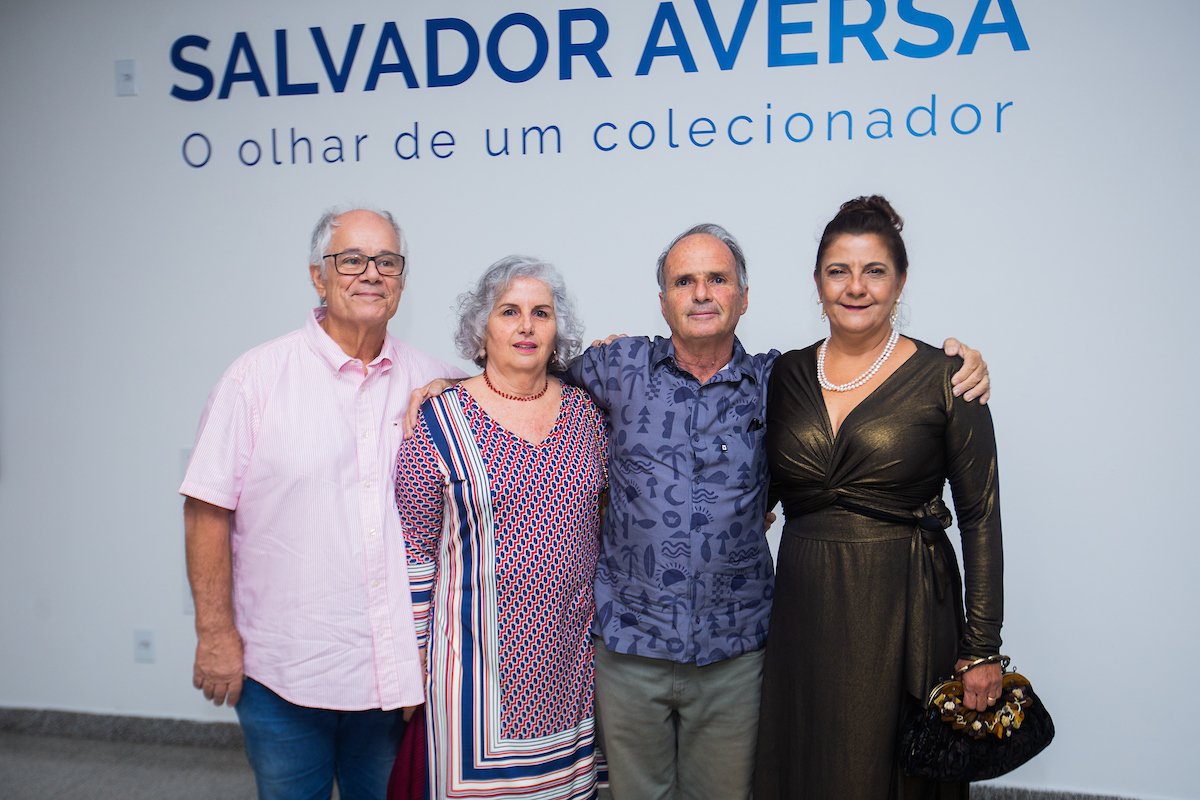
pixel 868 606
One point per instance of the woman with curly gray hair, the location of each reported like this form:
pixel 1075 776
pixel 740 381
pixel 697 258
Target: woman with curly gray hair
pixel 499 495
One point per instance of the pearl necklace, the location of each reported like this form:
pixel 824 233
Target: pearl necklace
pixel 488 381
pixel 829 386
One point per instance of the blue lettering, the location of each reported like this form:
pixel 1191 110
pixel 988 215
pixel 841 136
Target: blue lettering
pixel 693 131
pixel 1009 24
pixel 568 49
pixel 337 77
pixel 666 16
pixel 433 75
pixel 777 29
pixel 924 19
pixel 849 125
pixel 207 150
pixel 726 56
pixel 787 127
pixel 336 148
pixel 416 146
pixel 954 116
pixel 242 153
pixel 595 136
pixel 542 138
pixel 886 122
pixel 931 111
pixel 729 131
pixel 541 41
pixel 434 144
pixel 1000 111
pixel 191 68
pixel 389 35
pixel 634 127
pixel 281 70
pixel 504 150
pixel 241 44
pixel 296 141
pixel 839 31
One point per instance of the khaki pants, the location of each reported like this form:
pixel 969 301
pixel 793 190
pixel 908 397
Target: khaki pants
pixel 674 730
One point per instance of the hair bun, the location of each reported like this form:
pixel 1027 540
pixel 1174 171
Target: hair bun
pixel 874 204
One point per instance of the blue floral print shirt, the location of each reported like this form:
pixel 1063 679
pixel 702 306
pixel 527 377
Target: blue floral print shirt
pixel 685 573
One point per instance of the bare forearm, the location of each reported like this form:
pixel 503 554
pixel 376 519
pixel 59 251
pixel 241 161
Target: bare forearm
pixel 209 565
pixel 218 668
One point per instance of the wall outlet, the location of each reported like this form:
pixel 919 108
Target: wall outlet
pixel 143 647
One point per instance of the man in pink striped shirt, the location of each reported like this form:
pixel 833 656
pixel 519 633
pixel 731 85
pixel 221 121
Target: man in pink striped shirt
pixel 295 557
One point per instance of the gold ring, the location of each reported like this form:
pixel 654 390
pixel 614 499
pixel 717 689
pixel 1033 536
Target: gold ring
pixel 991 699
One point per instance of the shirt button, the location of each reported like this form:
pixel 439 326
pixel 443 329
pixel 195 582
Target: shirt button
pixel 697 620
pixel 362 388
pixel 695 437
pixel 372 531
pixel 376 585
pixel 368 484
pixel 364 434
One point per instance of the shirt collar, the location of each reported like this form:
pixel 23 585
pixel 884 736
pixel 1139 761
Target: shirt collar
pixel 663 350
pixel 333 355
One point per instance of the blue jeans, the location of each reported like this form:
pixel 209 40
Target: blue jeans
pixel 296 752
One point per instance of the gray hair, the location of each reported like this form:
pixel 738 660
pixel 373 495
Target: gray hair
pixel 476 305
pixel 323 232
pixel 739 258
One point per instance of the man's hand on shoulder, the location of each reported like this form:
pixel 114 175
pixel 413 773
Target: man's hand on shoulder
pixel 972 380
pixel 218 669
pixel 418 398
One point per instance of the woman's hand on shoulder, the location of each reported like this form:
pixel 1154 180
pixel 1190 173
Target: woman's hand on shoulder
pixel 982 684
pixel 972 380
pixel 612 337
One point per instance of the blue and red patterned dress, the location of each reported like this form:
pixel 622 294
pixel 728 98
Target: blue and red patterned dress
pixel 501 538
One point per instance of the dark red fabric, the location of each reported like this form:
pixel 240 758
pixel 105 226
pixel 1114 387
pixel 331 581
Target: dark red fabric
pixel 407 781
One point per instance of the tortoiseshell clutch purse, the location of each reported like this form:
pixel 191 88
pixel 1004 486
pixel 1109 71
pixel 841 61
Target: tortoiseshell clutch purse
pixel 947 741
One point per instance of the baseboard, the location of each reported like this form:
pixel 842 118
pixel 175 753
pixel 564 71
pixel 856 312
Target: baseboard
pixel 982 791
pixel 108 727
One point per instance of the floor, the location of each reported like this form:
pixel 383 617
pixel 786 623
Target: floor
pixel 55 768
pixel 38 767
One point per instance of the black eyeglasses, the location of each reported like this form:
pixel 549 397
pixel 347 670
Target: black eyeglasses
pixel 390 265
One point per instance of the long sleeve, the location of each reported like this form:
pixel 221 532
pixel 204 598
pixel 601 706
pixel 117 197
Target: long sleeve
pixel 975 483
pixel 419 487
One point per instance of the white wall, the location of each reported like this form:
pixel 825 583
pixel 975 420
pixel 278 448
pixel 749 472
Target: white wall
pixel 1059 247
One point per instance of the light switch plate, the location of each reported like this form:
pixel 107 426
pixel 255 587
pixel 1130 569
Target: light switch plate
pixel 127 77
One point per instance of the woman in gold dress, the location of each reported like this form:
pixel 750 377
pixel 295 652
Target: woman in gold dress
pixel 863 430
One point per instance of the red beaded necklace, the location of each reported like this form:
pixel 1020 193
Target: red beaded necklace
pixel 488 381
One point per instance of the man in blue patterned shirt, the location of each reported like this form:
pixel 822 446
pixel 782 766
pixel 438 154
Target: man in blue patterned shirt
pixel 684 580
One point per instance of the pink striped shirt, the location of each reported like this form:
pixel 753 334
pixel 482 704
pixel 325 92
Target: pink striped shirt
pixel 301 446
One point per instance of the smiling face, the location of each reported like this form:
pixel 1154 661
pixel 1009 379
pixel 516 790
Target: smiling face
pixel 858 284
pixel 360 301
pixel 702 302
pixel 522 328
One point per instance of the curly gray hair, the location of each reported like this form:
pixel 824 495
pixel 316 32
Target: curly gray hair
pixel 323 232
pixel 739 258
pixel 476 305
